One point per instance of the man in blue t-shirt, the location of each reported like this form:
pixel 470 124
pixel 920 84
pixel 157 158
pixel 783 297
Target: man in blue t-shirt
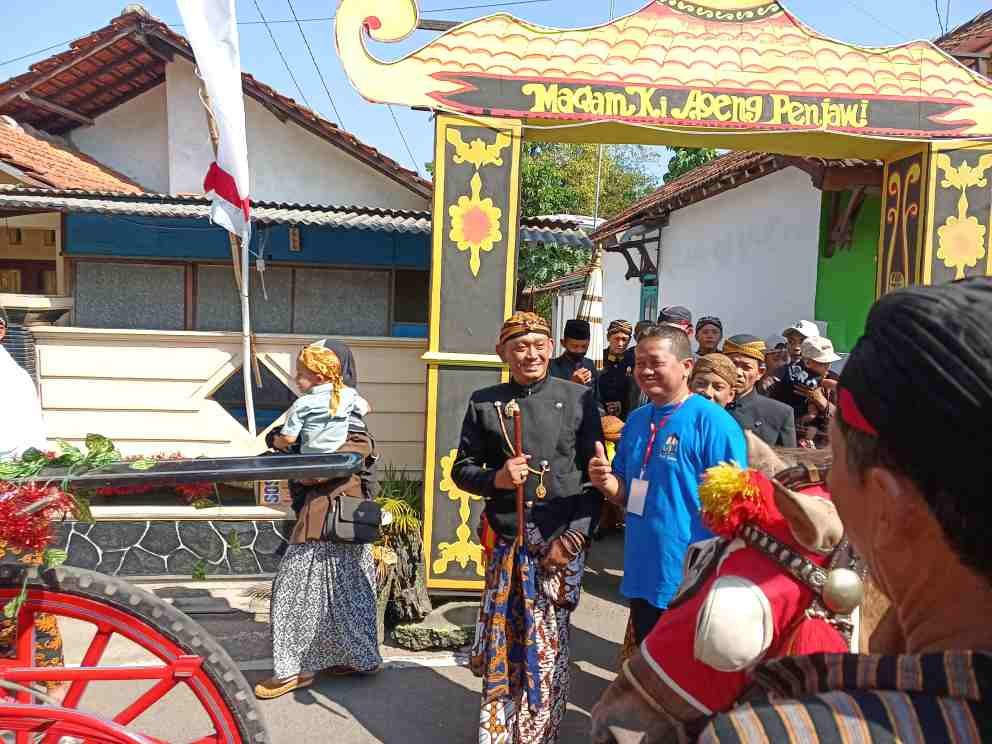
pixel 655 474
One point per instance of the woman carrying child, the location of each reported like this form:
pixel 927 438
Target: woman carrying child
pixel 324 594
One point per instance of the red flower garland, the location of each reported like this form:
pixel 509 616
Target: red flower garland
pixel 31 529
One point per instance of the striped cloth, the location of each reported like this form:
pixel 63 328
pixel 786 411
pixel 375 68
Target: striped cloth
pixel 835 698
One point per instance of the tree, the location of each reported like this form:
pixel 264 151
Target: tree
pixel 559 178
pixel 685 159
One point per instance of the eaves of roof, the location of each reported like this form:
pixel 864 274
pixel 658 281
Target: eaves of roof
pixel 21 199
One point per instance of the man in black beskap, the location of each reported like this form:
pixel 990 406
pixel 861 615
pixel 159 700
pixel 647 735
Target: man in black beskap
pixel 616 378
pixel 573 364
pixel 771 421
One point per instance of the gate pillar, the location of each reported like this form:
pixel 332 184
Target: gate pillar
pixel 936 215
pixel 473 282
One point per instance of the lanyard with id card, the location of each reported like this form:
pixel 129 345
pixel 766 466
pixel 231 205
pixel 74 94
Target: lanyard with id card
pixel 638 496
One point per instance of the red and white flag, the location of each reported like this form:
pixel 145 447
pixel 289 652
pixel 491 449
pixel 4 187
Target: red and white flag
pixel 212 30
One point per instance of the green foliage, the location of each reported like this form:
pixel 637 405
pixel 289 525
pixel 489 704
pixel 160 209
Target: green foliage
pixel 12 607
pixel 199 570
pixel 685 159
pixel 402 497
pixel 54 557
pixel 559 178
pixel 233 541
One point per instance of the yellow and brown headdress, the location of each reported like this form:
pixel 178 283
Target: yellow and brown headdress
pixel 719 364
pixel 746 345
pixel 324 363
pixel 522 323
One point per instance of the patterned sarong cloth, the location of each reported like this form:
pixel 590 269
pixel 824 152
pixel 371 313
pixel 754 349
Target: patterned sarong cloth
pixel 47 638
pixel 324 609
pixel 521 647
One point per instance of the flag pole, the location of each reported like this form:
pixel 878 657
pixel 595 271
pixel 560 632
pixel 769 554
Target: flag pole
pixel 242 274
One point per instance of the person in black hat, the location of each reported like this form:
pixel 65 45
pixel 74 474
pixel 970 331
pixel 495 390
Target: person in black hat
pixel 709 334
pixel 910 473
pixel 678 316
pixel 618 368
pixel 771 421
pixel 573 364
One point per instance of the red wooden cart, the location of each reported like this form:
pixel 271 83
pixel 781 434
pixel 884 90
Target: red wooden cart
pixel 181 653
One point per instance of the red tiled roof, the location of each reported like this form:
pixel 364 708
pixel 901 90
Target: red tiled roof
pixel 973 36
pixel 56 165
pixel 712 178
pixel 571 277
pixel 127 57
pixel 733 168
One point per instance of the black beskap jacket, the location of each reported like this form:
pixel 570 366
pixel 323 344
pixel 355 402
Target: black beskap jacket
pixel 561 425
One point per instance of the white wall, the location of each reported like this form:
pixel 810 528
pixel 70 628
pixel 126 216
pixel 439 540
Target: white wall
pixel 287 162
pixel 622 300
pixel 747 255
pixel 132 139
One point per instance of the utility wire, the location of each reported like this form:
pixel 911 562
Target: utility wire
pixel 320 19
pixel 877 20
pixel 406 144
pixel 313 59
pixel 281 55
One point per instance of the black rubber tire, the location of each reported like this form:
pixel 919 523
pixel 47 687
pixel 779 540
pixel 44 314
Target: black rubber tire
pixel 167 620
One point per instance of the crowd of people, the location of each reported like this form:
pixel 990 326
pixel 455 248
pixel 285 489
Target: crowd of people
pixel 642 432
pixel 905 421
pixel 781 388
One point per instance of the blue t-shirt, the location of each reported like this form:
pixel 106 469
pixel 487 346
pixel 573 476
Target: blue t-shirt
pixel 697 435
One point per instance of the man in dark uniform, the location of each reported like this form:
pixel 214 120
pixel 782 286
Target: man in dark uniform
pixel 573 364
pixel 616 377
pixel 561 428
pixel 771 421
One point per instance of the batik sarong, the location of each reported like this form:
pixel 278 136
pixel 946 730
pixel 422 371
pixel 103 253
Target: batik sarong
pixel 521 647
pixel 324 609
pixel 47 638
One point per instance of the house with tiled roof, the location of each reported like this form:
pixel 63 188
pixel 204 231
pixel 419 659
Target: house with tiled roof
pixel 756 239
pixel 761 240
pixel 103 149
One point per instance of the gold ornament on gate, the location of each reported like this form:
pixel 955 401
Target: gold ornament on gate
pixel 463 550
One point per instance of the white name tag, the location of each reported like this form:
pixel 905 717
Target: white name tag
pixel 637 497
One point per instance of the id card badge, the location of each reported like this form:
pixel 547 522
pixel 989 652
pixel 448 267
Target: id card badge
pixel 638 496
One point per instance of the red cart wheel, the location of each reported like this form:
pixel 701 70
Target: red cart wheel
pixel 187 656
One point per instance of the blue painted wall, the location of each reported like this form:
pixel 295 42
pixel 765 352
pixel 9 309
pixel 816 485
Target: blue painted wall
pixel 198 240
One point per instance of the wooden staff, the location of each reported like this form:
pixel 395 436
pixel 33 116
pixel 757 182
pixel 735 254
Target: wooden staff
pixel 513 409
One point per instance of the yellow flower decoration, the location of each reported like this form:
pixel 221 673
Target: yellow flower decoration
pixel 475 224
pixel 961 239
pixel 962 243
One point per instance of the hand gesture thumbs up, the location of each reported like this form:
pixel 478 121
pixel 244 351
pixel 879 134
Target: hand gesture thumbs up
pixel 600 471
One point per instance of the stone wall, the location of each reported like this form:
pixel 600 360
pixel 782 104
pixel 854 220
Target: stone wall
pixel 175 547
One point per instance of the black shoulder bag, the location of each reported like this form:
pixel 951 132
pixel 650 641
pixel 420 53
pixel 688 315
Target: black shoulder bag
pixel 353 520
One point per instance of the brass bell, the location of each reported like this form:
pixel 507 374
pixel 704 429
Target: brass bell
pixel 843 591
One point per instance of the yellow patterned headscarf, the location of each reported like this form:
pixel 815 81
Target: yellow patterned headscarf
pixel 749 346
pixel 325 364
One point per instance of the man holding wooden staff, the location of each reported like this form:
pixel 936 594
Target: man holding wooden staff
pixel 524 448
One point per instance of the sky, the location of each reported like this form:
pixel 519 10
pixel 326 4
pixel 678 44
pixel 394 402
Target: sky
pixel 27 26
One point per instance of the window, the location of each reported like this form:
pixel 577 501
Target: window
pixel 411 296
pixel 649 297
pixel 15 236
pixel 341 302
pixel 130 295
pixel 218 302
pixel 271 400
pixel 48 238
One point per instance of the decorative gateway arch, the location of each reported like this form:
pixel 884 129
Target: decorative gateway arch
pixel 734 74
